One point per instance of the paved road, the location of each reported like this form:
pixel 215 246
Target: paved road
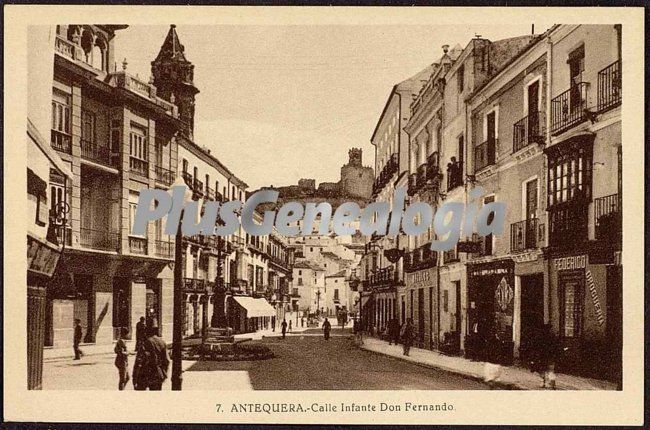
pixel 301 362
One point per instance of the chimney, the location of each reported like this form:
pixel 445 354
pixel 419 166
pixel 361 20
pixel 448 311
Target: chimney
pixel 445 48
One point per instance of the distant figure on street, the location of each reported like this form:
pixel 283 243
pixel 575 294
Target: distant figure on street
pixel 407 334
pixel 78 353
pixel 151 363
pixel 272 323
pixel 302 322
pixel 122 359
pixel 290 326
pixel 326 329
pixel 358 331
pixel 548 346
pixel 140 332
pixel 284 328
pixel 393 331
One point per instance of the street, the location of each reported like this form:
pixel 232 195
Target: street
pixel 302 362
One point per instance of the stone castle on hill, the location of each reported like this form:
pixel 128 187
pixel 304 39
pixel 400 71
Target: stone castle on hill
pixel 355 185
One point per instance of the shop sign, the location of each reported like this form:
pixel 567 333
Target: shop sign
pixel 594 298
pixel 421 278
pixel 570 263
pixel 41 258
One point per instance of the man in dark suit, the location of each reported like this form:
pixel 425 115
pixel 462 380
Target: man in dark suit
pixel 140 333
pixel 78 353
pixel 151 362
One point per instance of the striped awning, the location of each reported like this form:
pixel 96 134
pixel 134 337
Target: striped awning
pixel 255 307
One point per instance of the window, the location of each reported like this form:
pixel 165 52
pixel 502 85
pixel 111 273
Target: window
pixel 300 282
pixel 487 248
pixel 445 300
pixel 185 166
pixel 259 276
pixel 461 78
pixel 461 148
pixel 116 136
pixel 87 126
pixel 571 304
pixel 576 63
pixel 336 294
pixel 569 176
pixel 299 272
pixel 60 121
pixel 138 150
pixel 133 206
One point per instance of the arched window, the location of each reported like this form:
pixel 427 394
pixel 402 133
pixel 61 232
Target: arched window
pixel 99 55
pixel 87 44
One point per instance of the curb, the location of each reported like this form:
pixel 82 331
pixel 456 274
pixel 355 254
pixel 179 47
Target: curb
pixel 504 385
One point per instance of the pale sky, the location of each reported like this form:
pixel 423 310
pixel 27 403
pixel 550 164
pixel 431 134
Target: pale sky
pixel 279 103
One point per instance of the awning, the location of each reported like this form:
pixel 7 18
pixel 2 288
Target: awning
pixel 255 307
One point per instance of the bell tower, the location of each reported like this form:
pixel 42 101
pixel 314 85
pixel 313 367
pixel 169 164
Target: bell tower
pixel 173 76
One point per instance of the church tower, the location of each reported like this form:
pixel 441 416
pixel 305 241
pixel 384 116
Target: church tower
pixel 173 77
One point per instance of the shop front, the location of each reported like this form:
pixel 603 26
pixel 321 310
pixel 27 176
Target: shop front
pixel 422 306
pixel 490 313
pixel 586 316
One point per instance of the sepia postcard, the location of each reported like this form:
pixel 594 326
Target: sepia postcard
pixel 323 215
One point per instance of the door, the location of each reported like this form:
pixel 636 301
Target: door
pixel 533 110
pixel 531 214
pixel 121 306
pixel 532 312
pixel 614 324
pixel 487 241
pixel 457 314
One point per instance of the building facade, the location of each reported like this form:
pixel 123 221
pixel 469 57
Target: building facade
pixel 117 136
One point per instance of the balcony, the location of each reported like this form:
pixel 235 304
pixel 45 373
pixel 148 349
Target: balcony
pixel 609 87
pixel 454 175
pixel 139 167
pixel 528 130
pixel 99 239
pixel 197 187
pixel 64 47
pixel 523 235
pixel 383 177
pixel 420 258
pixel 138 245
pixel 61 141
pixel 187 177
pixel 450 256
pixel 97 153
pixel 383 277
pixel 485 154
pixel 422 175
pixel 568 224
pixel 191 285
pixel 609 220
pixel 164 248
pixel 433 166
pixel 63 234
pixel 209 193
pixel 412 184
pixel 164 176
pixel 569 108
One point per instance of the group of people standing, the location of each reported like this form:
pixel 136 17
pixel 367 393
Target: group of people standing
pixel 151 360
pixel 404 334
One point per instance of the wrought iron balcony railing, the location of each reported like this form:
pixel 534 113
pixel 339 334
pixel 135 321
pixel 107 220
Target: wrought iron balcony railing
pixel 454 175
pixel 609 220
pixel 528 130
pixel 485 154
pixel 523 235
pixel 139 167
pixel 99 239
pixel 569 108
pixel 164 176
pixel 61 142
pixel 568 224
pixel 610 87
pixel 138 245
pixel 95 152
pixel 164 248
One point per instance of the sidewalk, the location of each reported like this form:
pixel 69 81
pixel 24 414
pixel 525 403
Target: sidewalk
pixel 258 335
pixel 67 353
pixel 512 377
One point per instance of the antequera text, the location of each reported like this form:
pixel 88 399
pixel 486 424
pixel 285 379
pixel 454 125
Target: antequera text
pixel 296 219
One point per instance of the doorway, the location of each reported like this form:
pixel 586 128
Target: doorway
pixel 121 306
pixel 532 312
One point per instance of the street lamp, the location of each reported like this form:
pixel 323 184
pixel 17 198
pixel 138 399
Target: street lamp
pixel 318 302
pixel 177 340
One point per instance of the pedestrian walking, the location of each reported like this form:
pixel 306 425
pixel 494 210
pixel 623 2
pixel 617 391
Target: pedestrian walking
pixel 326 329
pixel 78 353
pixel 290 326
pixel 151 362
pixel 284 328
pixel 407 334
pixel 302 322
pixel 393 331
pixel 140 332
pixel 272 323
pixel 358 331
pixel 548 347
pixel 122 359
